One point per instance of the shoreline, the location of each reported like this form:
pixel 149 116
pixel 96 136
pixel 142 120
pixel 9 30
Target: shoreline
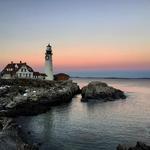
pixel 110 78
pixel 20 135
pixel 24 97
pixel 32 97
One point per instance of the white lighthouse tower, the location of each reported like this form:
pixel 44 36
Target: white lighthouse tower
pixel 48 63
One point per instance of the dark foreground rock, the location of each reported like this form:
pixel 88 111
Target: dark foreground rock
pixel 139 146
pixel 101 91
pixel 30 97
pixel 10 138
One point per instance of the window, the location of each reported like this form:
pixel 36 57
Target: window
pixel 22 70
pixel 26 75
pixel 20 74
pixel 29 75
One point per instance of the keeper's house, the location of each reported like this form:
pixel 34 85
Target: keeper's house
pixel 20 70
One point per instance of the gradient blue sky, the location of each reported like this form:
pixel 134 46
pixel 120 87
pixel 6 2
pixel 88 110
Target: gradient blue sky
pixel 85 34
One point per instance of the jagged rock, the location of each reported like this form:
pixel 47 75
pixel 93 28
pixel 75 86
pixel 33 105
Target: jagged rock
pixel 10 136
pixel 101 91
pixel 139 146
pixel 29 97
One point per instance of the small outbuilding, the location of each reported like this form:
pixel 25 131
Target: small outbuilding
pixel 61 76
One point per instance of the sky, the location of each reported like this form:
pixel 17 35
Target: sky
pixel 86 35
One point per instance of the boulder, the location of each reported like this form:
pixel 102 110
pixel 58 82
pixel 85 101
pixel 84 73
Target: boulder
pixel 139 146
pixel 101 91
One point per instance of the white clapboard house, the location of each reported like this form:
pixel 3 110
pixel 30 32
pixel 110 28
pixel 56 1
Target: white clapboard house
pixel 20 70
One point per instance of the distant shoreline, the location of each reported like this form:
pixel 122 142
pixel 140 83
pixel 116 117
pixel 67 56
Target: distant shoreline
pixel 110 78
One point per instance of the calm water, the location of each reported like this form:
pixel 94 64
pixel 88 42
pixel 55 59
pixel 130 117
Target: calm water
pixel 95 125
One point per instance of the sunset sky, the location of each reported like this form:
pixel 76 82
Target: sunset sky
pixel 86 35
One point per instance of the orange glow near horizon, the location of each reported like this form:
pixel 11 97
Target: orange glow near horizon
pixel 102 58
pixel 93 35
pixel 85 58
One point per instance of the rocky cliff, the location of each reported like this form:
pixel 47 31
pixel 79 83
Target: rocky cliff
pixel 29 97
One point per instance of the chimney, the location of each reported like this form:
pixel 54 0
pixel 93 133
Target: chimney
pixel 20 62
pixel 11 62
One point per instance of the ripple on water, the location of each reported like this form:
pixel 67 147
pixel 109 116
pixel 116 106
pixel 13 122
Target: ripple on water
pixel 94 126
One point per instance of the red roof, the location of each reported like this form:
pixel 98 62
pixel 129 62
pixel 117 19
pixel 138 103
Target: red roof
pixel 12 68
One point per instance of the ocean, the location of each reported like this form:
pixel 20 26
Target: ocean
pixel 94 125
pixel 112 73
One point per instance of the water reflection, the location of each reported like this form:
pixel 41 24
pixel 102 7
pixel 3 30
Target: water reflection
pixel 94 125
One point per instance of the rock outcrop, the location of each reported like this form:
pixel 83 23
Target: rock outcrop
pixel 10 138
pixel 101 91
pixel 30 97
pixel 139 146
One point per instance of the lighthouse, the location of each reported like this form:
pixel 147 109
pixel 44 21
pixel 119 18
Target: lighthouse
pixel 48 63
